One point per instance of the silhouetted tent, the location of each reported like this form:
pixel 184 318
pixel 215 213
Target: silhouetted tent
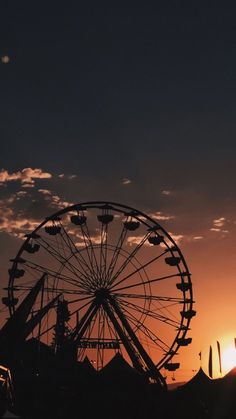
pixel 227 384
pixel 230 376
pixel 88 367
pixel 84 373
pixel 200 381
pixel 119 372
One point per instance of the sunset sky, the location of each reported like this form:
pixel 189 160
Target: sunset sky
pixel 131 105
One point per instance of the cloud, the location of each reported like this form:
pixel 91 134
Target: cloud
pixel 165 192
pixel 20 194
pixel 23 210
pixel 26 176
pixel 70 177
pixel 197 237
pixel 28 185
pixel 59 203
pixel 13 225
pixel 177 237
pixel 159 215
pixel 126 181
pixel 131 240
pixel 219 222
pixel 45 191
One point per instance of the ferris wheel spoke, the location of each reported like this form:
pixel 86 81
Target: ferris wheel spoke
pixel 79 299
pixel 74 252
pixel 51 289
pixel 112 332
pixel 152 314
pixel 161 278
pixel 129 259
pixel 34 267
pixel 146 331
pixel 166 309
pixel 89 248
pixel 116 253
pixel 60 258
pixel 103 254
pixel 150 297
pixel 139 269
pixel 45 331
pixel 89 329
pixel 81 307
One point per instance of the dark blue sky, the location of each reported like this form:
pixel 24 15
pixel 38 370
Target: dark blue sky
pixel 114 89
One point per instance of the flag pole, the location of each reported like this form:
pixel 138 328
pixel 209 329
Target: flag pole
pixel 210 362
pixel 219 355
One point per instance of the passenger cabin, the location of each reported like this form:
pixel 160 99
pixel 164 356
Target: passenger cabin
pixel 52 230
pixel 105 218
pixel 31 248
pixel 172 366
pixel 188 314
pixel 155 240
pixel 78 220
pixel 16 273
pixel 172 260
pixel 184 341
pixel 131 225
pixel 9 302
pixel 183 286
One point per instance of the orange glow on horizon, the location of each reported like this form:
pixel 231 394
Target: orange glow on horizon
pixel 228 359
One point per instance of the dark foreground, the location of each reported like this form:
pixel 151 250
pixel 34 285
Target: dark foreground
pixel 52 389
pixel 214 401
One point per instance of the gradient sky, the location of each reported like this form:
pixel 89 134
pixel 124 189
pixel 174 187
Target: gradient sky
pixel 132 105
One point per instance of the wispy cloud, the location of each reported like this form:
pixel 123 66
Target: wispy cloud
pixel 26 176
pixel 22 210
pixel 166 192
pixel 133 240
pixel 219 222
pixel 15 225
pixel 219 225
pixel 45 192
pixel 176 237
pixel 54 200
pixel 126 181
pixel 70 177
pixel 59 203
pixel 159 215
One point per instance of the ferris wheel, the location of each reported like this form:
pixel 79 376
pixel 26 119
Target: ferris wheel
pixel 122 278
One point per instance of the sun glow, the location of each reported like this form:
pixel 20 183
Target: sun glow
pixel 228 358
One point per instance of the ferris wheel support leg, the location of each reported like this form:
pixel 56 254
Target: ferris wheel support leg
pixel 152 369
pixel 136 363
pixel 85 321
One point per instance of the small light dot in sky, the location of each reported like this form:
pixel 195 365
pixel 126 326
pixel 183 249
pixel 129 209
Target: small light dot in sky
pixel 5 59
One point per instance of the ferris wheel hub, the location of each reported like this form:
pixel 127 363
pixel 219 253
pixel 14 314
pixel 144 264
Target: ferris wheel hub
pixel 102 293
